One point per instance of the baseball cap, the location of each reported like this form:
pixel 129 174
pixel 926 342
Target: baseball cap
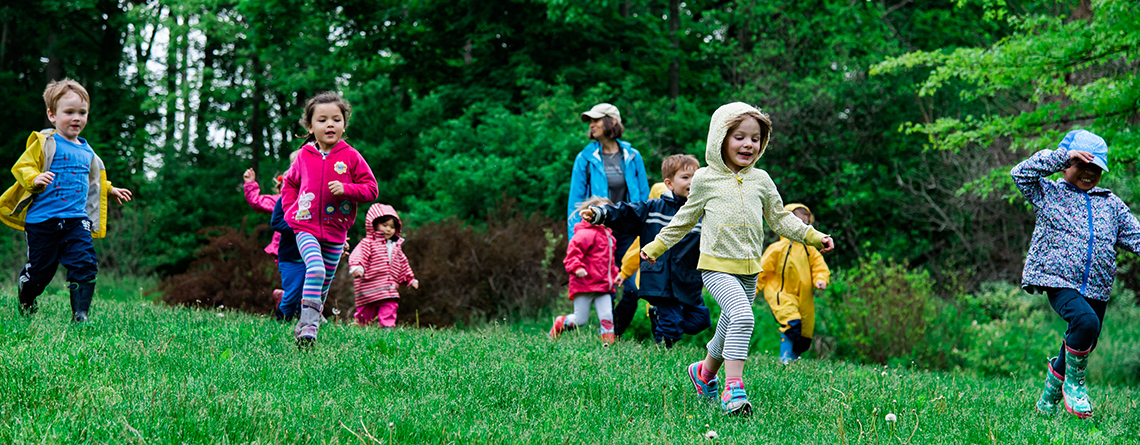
pixel 600 110
pixel 1084 140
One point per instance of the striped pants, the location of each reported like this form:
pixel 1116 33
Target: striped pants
pixel 320 259
pixel 734 294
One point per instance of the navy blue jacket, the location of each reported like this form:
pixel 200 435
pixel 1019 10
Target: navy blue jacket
pixel 287 249
pixel 675 274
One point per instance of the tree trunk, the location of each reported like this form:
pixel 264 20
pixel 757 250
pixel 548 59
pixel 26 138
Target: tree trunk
pixel 3 43
pixel 625 25
pixel 184 75
pixel 255 129
pixel 206 91
pixel 675 43
pixel 171 94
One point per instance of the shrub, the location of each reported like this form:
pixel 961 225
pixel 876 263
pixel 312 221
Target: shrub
pixel 876 311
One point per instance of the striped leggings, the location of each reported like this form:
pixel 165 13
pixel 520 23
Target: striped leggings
pixel 320 260
pixel 734 294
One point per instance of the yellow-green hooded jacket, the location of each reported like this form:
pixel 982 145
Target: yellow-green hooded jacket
pixel 791 270
pixel 37 159
pixel 733 206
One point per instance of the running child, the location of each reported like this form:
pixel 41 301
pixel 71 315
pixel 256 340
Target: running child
pixel 732 200
pixel 593 276
pixel 320 194
pixel 790 273
pixel 60 201
pixel 379 266
pixel 264 204
pixel 1072 258
pixel 672 284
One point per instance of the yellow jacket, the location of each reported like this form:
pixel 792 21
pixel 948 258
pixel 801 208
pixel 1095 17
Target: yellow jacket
pixel 734 207
pixel 791 270
pixel 39 152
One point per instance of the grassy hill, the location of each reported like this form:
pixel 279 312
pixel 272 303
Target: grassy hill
pixel 147 373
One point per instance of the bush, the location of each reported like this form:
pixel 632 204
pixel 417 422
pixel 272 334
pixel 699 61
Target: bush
pixel 877 311
pixel 511 266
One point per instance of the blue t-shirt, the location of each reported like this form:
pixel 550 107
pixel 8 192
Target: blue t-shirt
pixel 66 196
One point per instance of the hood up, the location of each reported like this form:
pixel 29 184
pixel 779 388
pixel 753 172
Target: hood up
pixel 793 206
pixel 718 129
pixel 376 211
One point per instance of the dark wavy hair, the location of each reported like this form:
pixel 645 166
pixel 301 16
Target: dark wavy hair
pixel 610 128
pixel 327 97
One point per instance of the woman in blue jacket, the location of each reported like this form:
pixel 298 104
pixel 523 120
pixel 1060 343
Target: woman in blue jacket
pixel 609 168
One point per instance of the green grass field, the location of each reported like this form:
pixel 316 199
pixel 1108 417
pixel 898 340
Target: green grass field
pixel 141 372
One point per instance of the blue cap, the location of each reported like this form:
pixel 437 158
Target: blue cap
pixel 1084 140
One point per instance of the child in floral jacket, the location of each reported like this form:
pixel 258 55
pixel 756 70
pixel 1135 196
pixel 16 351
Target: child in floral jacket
pixel 1072 258
pixel 378 267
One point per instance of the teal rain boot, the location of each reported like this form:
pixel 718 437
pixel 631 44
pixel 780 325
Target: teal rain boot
pixel 1047 404
pixel 787 354
pixel 1076 395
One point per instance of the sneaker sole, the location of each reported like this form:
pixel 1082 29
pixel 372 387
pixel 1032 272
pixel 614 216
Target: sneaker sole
pixel 743 410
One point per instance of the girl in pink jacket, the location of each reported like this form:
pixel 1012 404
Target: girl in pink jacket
pixel 319 195
pixel 593 276
pixel 379 267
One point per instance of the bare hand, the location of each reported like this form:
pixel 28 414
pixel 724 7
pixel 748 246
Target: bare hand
pixel 619 281
pixel 580 273
pixel 587 214
pixel 1083 156
pixel 121 195
pixel 336 188
pixel 249 175
pixel 828 244
pixel 415 284
pixel 645 257
pixel 43 179
pixel 357 273
pixel 820 284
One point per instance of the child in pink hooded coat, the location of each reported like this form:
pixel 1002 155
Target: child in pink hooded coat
pixel 319 197
pixel 593 276
pixel 379 266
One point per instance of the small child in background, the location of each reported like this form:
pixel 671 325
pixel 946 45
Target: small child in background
pixel 672 284
pixel 593 276
pixel 1072 258
pixel 379 266
pixel 789 271
pixel 625 308
pixel 289 265
pixel 60 201
pixel 732 200
pixel 264 204
pixel 319 196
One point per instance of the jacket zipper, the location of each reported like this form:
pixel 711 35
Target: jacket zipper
pixel 1088 256
pixel 782 271
pixel 321 210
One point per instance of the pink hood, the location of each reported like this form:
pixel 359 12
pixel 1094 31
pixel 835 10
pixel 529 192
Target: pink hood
pixel 376 211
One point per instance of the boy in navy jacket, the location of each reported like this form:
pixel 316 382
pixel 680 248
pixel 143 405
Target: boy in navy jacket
pixel 672 284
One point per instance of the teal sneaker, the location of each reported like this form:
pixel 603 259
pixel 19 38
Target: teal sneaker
pixel 704 389
pixel 735 401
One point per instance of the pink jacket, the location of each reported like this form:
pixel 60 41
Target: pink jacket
pixel 309 205
pixel 591 248
pixel 382 260
pixel 263 204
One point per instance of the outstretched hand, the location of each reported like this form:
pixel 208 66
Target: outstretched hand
pixel 249 175
pixel 828 244
pixel 645 257
pixel 587 214
pixel 121 195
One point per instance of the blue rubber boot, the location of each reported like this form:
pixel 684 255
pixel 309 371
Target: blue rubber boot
pixel 787 355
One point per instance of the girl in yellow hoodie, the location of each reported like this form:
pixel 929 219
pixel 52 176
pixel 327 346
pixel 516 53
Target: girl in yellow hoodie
pixel 732 199
pixel 791 273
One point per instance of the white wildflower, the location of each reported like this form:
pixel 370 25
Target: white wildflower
pixel 891 417
pixel 221 314
pixel 710 435
pixel 884 373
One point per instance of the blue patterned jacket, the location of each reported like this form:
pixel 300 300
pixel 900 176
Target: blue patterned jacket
pixel 1073 243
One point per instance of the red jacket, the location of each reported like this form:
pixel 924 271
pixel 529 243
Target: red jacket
pixel 382 260
pixel 263 204
pixel 309 205
pixel 592 248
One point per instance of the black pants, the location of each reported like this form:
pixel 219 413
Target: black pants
pixel 1085 317
pixel 674 319
pixel 59 241
pixel 627 306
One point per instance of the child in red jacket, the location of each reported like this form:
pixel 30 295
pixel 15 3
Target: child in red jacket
pixel 378 267
pixel 593 276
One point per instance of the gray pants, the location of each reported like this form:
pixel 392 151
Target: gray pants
pixel 734 294
pixel 603 305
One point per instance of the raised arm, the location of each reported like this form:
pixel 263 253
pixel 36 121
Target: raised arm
pixel 623 218
pixel 685 219
pixel 259 202
pixel 1127 228
pixel 1029 175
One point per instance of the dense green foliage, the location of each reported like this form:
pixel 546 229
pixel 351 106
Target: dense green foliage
pixel 461 103
pixel 141 372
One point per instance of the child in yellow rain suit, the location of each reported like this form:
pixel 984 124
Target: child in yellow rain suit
pixel 791 272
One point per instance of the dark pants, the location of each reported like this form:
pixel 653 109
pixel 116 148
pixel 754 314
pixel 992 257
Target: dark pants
pixel 627 306
pixel 675 319
pixel 1085 317
pixel 292 281
pixel 59 241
